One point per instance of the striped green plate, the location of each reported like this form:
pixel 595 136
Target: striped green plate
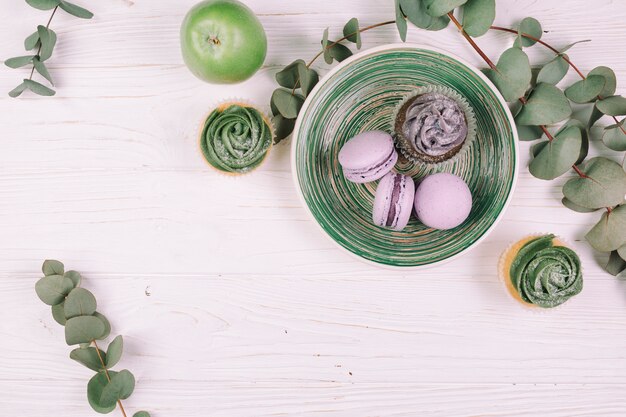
pixel 360 94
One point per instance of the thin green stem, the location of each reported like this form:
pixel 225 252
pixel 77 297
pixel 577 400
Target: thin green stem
pixel 471 41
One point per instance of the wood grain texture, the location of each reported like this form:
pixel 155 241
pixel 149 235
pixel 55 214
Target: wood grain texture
pixel 230 301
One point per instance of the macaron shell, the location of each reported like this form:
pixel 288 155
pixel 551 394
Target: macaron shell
pixel 368 156
pixel 383 202
pixel 443 201
pixel 372 173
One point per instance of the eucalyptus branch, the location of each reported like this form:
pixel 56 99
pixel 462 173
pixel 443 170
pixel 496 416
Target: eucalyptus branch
pixel 43 40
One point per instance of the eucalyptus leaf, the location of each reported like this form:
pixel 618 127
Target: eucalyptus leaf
pixel 17 91
pixel 83 329
pixel 114 351
pixel 545 105
pixel 553 71
pixel 19 61
pixel 338 51
pixel 584 135
pixel 95 387
pixel 41 69
pixel 621 251
pixel 120 387
pixel 327 57
pixel 528 133
pixel 80 302
pixel 586 90
pixel 616 264
pixel 52 267
pixel 594 116
pixel 529 26
pixel 105 323
pixel 512 74
pixel 558 155
pixel 609 76
pixel 576 207
pixel 89 358
pixel 437 8
pixel 478 15
pixel 400 21
pixel 609 233
pixel 571 45
pixel 613 105
pixel 43 4
pixel 75 10
pixel 48 39
pixel 604 184
pixel 52 289
pixel 58 313
pixel 38 88
pixel 32 41
pixel 308 79
pixel 415 11
pixel 141 414
pixel 284 127
pixel 352 33
pixel 288 77
pixel 614 136
pixel 287 104
pixel 74 276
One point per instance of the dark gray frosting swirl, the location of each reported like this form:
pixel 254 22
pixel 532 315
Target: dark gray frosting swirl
pixel 434 124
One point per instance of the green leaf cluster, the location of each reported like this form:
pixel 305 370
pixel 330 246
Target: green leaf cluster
pixel 75 308
pixel 41 44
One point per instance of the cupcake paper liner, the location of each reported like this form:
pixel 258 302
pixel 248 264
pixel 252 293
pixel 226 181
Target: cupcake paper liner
pixel 222 105
pixel 503 274
pixel 406 147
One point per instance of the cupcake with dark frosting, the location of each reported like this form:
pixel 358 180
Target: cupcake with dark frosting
pixel 433 125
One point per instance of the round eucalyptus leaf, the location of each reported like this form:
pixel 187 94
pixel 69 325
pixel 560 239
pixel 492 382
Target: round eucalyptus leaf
pixel 17 91
pixel 512 75
pixel 58 314
pixel 308 79
pixel 553 71
pixel 338 51
pixel 75 10
pixel 400 21
pixel 53 289
pixel 38 88
pixel 614 136
pixel 114 351
pixel 621 251
pixel 415 11
pixel 604 184
pixel 528 133
pixel 80 302
pixel 120 387
pixel 557 156
pixel 83 329
pixel 478 15
pixel 613 105
pixel 437 8
pixel 545 105
pixel 529 26
pixel 105 323
pixel 284 127
pixel 32 41
pixel 584 135
pixel 352 33
pixel 141 414
pixel 611 81
pixel 74 276
pixel 95 387
pixel 287 104
pixel 576 207
pixel 48 39
pixel 288 76
pixel 616 264
pixel 586 90
pixel 52 267
pixel 609 233
pixel 43 4
pixel 89 358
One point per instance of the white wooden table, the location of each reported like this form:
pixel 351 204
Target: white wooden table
pixel 230 301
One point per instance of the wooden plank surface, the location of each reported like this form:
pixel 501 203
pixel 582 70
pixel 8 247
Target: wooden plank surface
pixel 231 302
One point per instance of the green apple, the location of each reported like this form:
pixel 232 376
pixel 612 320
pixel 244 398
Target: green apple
pixel 222 41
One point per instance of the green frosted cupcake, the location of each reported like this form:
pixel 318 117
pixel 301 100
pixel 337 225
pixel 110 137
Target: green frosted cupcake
pixel 540 271
pixel 236 138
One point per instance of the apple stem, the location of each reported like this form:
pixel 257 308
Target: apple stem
pixel 214 40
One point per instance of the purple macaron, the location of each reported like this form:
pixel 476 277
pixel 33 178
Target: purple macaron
pixel 368 156
pixel 394 201
pixel 443 201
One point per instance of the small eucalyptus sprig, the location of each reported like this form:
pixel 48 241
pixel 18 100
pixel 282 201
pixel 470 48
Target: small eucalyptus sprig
pixel 599 184
pixel 42 41
pixel 75 308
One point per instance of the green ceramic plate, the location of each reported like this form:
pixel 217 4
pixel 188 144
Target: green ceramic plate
pixel 360 94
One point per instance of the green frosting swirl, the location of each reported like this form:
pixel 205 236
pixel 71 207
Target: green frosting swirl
pixel 546 275
pixel 235 139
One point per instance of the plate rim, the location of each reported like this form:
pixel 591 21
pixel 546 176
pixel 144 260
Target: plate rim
pixel 409 46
